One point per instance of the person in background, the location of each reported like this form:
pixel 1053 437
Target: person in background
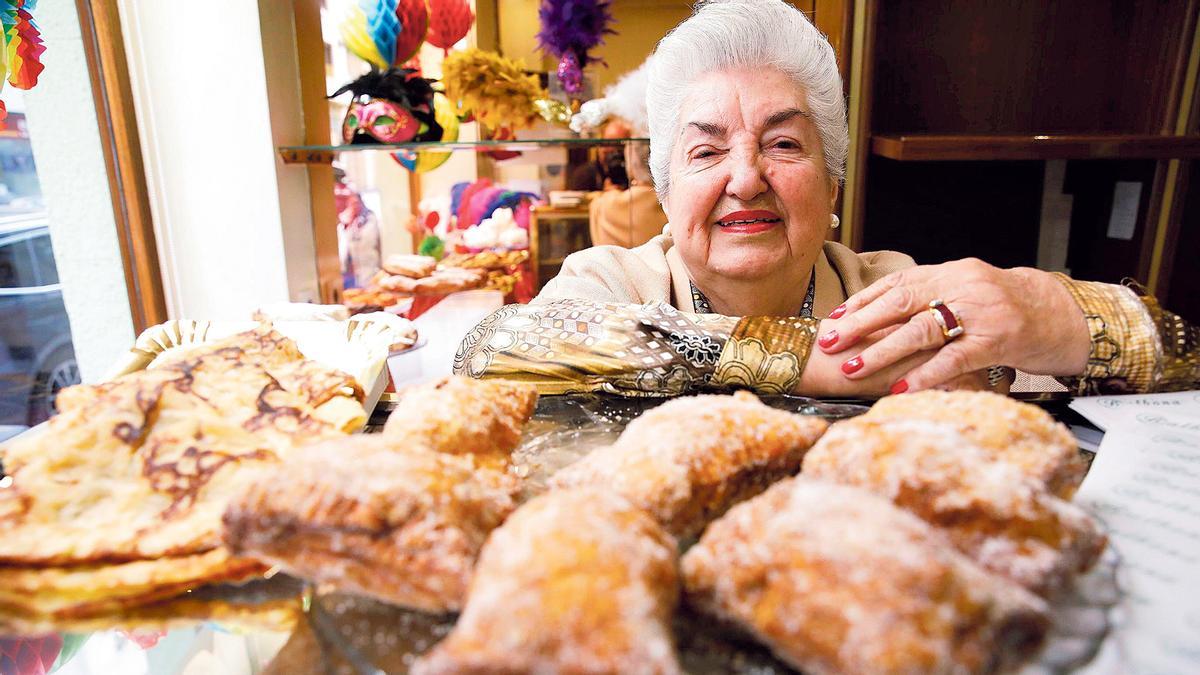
pixel 358 234
pixel 629 216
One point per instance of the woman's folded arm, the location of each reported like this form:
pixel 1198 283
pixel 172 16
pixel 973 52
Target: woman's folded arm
pixel 574 346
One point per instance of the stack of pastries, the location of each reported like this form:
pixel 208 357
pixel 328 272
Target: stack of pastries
pixel 117 502
pixel 927 536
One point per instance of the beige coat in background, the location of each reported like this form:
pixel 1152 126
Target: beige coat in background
pixel 626 218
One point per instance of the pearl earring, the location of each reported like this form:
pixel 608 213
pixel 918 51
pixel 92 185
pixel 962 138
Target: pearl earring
pixel 835 222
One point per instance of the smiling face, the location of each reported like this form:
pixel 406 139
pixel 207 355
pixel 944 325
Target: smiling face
pixel 749 194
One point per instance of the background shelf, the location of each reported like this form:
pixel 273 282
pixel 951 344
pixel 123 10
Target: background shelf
pixel 955 147
pixel 324 154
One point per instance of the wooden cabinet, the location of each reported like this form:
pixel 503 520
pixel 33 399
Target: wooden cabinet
pixel 1056 133
pixel 555 233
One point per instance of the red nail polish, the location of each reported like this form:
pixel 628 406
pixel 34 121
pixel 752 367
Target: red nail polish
pixel 838 311
pixel 828 339
pixel 853 365
pixel 900 387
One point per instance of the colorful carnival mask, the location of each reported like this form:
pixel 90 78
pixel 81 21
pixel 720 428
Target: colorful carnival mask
pixel 385 121
pixel 391 106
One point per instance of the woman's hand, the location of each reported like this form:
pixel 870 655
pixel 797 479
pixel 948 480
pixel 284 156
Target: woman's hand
pixel 823 375
pixel 1021 317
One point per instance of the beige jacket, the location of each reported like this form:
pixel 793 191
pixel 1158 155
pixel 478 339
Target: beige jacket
pixel 654 272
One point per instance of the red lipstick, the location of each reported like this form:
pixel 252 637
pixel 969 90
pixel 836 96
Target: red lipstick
pixel 749 222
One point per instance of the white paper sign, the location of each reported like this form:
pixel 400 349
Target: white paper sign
pixel 1122 223
pixel 1145 486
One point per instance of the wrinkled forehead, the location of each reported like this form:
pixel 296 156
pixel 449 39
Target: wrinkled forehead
pixel 741 98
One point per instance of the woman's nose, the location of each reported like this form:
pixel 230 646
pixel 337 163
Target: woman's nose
pixel 746 177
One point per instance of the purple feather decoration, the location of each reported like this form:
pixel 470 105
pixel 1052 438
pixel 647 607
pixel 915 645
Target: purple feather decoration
pixel 574 27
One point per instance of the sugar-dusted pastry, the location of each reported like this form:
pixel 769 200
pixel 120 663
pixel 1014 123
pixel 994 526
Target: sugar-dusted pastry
pixel 836 580
pixel 463 416
pixel 1018 433
pixel 408 265
pixel 576 581
pixel 1009 523
pixel 365 516
pixel 688 460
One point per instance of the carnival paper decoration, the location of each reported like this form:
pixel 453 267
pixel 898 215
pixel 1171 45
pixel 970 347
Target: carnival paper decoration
pixel 20 60
pixel 414 27
pixel 449 22
pixel 357 36
pixel 570 30
pixel 23 43
pixel 495 90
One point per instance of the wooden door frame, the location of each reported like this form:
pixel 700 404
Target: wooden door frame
pixel 108 70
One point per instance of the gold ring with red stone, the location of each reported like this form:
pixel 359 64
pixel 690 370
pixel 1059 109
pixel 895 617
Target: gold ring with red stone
pixel 947 319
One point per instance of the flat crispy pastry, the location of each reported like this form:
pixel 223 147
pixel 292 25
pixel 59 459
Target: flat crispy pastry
pixel 1018 433
pixel 576 581
pixel 142 466
pixel 365 516
pixel 1010 524
pixel 92 590
pixel 836 580
pixel 463 416
pixel 688 460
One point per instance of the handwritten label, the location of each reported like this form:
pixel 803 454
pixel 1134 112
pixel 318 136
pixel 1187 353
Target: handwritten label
pixel 1144 485
pixel 1104 411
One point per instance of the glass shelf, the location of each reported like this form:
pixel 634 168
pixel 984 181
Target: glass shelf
pixel 324 154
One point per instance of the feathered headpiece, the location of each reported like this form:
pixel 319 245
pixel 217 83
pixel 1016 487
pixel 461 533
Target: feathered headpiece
pixel 494 89
pixel 570 30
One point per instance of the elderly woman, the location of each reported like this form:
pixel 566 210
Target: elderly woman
pixel 748 147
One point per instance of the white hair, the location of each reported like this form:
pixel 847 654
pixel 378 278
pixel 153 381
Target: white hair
pixel 724 34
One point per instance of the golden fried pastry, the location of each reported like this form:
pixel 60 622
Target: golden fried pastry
pixel 688 460
pixel 1009 523
pixel 463 416
pixel 577 581
pixel 365 516
pixel 248 609
pixel 408 265
pixel 1018 433
pixel 836 580
pixel 142 466
pixel 91 590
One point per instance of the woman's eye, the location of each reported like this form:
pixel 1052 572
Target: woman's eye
pixel 701 154
pixel 786 145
